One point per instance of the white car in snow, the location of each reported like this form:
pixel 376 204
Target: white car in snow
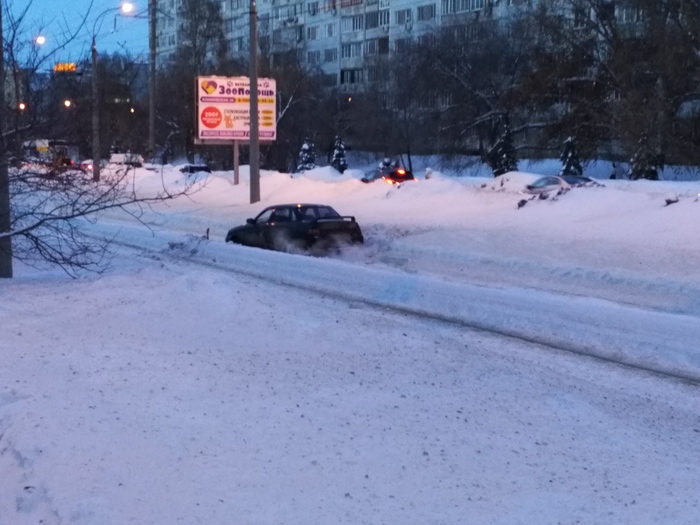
pixel 546 184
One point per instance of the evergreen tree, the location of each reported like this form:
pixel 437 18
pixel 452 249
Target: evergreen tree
pixel 503 153
pixel 570 163
pixel 338 160
pixel 644 163
pixel 307 155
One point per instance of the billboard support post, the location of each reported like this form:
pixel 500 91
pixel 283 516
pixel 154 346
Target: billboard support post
pixel 235 162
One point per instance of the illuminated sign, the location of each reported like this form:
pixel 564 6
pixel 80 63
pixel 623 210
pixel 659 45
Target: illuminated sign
pixel 65 67
pixel 224 108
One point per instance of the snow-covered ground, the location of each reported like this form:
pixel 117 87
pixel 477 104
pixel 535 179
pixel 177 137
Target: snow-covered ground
pixel 436 375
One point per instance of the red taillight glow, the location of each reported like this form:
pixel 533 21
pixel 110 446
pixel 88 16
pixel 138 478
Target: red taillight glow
pixel 401 172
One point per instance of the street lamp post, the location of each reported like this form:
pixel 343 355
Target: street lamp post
pixel 126 7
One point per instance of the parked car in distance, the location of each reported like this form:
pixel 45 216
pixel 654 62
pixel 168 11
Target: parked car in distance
pixel 127 159
pixel 195 168
pixel 546 184
pixel 298 227
pixel 580 180
pixel 86 165
pixel 390 176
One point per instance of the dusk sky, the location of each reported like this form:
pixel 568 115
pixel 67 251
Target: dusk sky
pixel 54 18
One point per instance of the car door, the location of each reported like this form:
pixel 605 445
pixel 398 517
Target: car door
pixel 280 228
pixel 253 233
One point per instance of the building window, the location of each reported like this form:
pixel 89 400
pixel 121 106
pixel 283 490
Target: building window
pixel 330 55
pixel 313 8
pixel 372 20
pixel 371 47
pixel 627 15
pixel 458 6
pixel 235 45
pixel 329 80
pixel 352 23
pixel 348 3
pixel 353 50
pixel 403 16
pixel 330 30
pixel 286 12
pixel 377 46
pixel 376 19
pixel 428 40
pixel 402 44
pixel 445 99
pixel 351 76
pixel 313 57
pixel 312 33
pixel 426 12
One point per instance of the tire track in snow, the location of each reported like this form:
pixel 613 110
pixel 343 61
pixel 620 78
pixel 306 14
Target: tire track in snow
pixel 657 342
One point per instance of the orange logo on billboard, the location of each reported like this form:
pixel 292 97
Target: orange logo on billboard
pixel 211 117
pixel 209 86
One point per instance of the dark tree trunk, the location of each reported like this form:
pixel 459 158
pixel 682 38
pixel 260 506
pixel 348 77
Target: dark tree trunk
pixel 5 242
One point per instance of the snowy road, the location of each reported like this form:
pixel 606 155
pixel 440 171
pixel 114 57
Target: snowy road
pixel 168 392
pixel 650 340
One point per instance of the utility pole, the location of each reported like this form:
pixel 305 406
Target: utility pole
pixel 254 144
pixel 152 79
pixel 5 216
pixel 95 116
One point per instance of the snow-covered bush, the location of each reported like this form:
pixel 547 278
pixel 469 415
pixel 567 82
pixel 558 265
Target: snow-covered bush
pixel 307 156
pixel 338 160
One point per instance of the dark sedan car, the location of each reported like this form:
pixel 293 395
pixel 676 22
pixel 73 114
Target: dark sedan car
pixel 389 175
pixel 297 227
pixel 195 168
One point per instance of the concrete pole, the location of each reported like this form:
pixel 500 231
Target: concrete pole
pixel 152 80
pixel 254 144
pixel 95 117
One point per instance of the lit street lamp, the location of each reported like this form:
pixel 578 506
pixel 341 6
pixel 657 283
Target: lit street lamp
pixel 41 40
pixel 22 106
pixel 67 103
pixel 125 8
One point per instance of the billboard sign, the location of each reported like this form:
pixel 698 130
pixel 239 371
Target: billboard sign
pixel 223 108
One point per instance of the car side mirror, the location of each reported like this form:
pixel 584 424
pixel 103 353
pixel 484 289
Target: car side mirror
pixel 250 221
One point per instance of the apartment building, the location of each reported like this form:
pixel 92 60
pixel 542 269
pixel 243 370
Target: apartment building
pixel 343 41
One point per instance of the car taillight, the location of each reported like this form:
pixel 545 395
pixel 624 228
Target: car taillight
pixel 401 172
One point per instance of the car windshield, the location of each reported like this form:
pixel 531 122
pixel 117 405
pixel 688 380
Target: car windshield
pixel 545 181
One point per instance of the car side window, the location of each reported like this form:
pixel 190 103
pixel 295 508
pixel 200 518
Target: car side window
pixel 264 216
pixel 308 214
pixel 281 215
